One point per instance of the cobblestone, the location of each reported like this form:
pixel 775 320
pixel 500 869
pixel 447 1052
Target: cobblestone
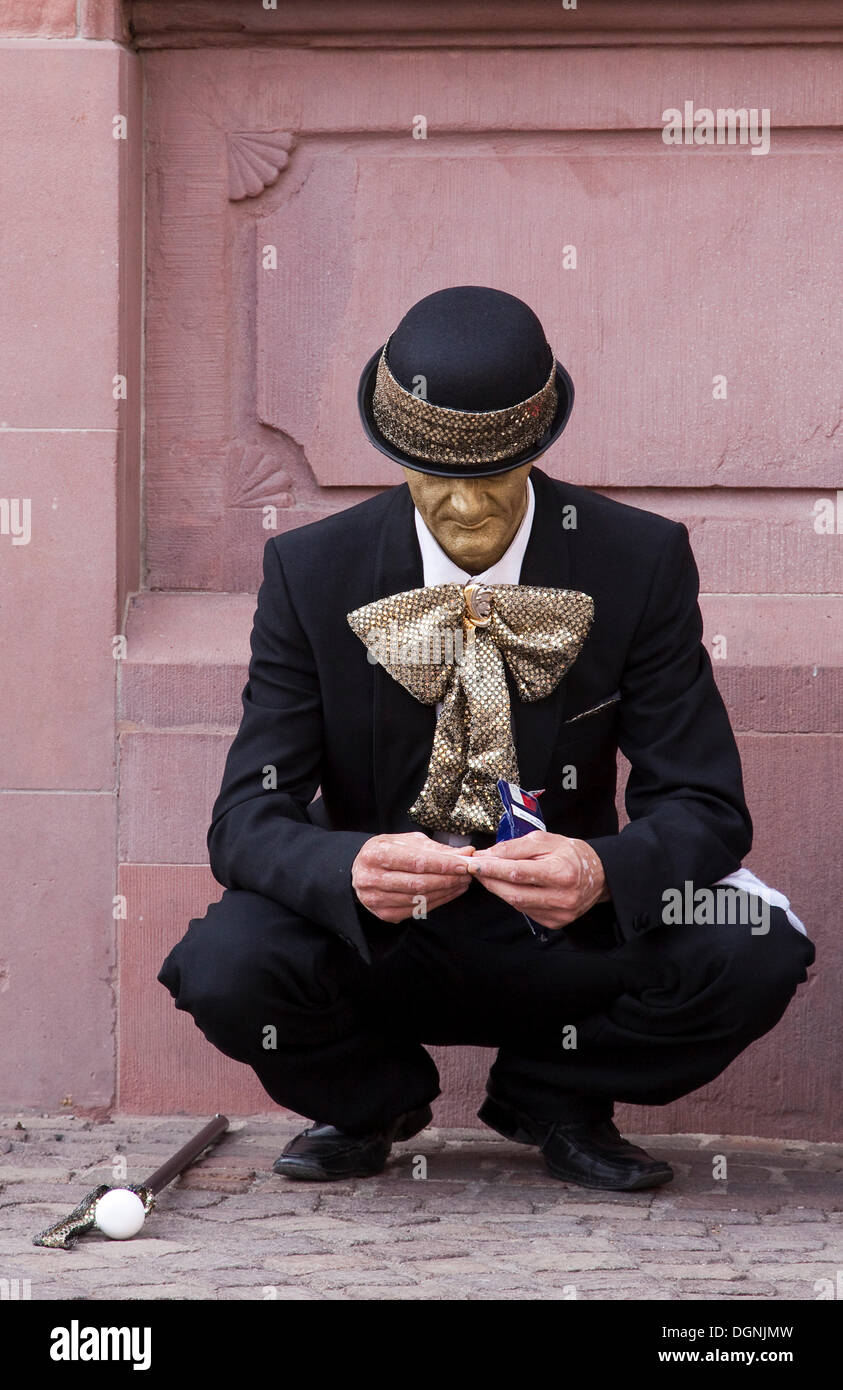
pixel 487 1223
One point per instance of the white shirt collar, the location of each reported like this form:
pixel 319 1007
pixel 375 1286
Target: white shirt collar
pixel 439 569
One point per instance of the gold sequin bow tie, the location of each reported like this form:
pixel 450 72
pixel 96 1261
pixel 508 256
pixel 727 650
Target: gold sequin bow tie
pixel 449 643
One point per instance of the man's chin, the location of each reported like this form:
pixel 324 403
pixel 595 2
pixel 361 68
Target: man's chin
pixel 472 557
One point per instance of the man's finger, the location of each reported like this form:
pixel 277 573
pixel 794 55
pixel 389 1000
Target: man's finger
pixel 512 871
pixel 397 846
pixel 428 842
pixel 533 901
pixel 410 859
pixel 525 847
pixel 384 880
pixel 499 888
pixel 394 895
pixel 546 872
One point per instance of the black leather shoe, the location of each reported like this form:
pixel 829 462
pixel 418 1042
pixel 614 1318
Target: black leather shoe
pixel 324 1153
pixel 589 1152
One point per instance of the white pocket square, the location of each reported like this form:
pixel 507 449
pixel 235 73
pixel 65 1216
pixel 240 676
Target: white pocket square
pixel 610 700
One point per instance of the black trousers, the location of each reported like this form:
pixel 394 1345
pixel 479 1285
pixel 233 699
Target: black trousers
pixel 579 1023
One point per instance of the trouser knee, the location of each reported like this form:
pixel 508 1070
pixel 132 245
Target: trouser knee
pixel 251 974
pixel 762 967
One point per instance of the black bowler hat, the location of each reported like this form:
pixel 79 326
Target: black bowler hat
pixel 466 385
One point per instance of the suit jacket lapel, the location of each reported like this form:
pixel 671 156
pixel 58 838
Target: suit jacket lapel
pixel 402 726
pixel 547 564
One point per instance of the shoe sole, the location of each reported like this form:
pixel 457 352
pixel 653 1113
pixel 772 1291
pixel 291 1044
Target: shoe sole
pixel 302 1171
pixel 657 1179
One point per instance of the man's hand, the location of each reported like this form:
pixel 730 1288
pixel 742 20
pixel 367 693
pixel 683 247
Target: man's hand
pixel 550 877
pixel 392 872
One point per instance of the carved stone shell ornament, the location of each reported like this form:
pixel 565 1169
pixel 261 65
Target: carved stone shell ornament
pixel 255 159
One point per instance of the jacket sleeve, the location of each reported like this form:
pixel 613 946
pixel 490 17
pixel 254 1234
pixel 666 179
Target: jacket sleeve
pixel 688 820
pixel 261 837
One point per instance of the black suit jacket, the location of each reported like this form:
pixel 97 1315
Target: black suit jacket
pixel 318 714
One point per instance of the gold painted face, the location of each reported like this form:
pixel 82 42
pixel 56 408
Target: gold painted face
pixel 473 519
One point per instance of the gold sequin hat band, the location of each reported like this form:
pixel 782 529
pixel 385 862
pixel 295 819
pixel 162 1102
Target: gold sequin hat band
pixel 440 434
pixel 416 430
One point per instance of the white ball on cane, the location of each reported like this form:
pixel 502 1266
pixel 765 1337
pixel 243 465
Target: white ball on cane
pixel 119 1213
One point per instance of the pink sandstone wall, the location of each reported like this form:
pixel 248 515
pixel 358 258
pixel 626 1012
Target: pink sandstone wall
pixel 290 217
pixel 70 283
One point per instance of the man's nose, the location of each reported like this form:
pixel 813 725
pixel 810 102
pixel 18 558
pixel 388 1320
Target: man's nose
pixel 466 505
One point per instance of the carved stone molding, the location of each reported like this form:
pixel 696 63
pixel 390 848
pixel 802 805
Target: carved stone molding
pixel 498 23
pixel 255 159
pixel 255 478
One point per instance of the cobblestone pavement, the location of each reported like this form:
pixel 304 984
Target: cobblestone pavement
pixel 486 1222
